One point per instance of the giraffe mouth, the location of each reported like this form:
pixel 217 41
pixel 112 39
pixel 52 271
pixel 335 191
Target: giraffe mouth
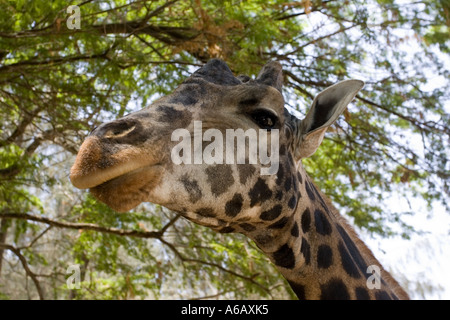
pixel 128 190
pixel 121 180
pixel 96 178
pixel 93 167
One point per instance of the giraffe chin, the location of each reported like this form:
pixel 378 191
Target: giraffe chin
pixel 127 191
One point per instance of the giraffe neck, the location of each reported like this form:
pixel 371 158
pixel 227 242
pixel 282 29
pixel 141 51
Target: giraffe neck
pixel 321 256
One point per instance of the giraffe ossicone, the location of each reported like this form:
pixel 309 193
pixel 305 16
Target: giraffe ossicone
pixel 130 160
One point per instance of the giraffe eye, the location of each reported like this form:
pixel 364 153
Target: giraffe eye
pixel 264 119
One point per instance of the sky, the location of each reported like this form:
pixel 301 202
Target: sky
pixel 423 259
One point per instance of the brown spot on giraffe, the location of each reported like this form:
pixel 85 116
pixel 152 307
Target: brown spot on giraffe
pixel 128 161
pixel 220 178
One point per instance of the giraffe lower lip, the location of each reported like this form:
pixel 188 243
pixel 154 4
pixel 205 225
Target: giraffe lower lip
pixel 123 175
pixel 113 180
pixel 125 192
pixel 88 180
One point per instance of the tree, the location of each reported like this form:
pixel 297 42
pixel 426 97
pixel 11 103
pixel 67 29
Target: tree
pixel 58 80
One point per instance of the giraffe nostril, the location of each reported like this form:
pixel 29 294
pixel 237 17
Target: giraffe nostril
pixel 119 132
pixel 116 129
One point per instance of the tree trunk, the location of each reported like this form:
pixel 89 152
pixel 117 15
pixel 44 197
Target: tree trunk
pixel 3 231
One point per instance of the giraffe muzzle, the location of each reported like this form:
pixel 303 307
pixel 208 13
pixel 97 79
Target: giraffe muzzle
pixel 112 150
pixel 92 169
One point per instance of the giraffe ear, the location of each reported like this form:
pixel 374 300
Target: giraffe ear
pixel 326 108
pixel 272 75
pixel 218 72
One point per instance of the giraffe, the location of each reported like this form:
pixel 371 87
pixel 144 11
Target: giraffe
pixel 128 161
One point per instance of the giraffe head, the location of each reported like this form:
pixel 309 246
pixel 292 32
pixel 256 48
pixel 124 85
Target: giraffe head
pixel 200 150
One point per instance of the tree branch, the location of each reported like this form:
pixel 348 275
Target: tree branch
pixel 26 267
pixel 165 34
pixel 312 8
pixel 58 60
pixel 170 223
pixel 418 124
pixel 217 295
pixel 84 226
pixel 36 239
pixel 314 41
pixel 218 266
